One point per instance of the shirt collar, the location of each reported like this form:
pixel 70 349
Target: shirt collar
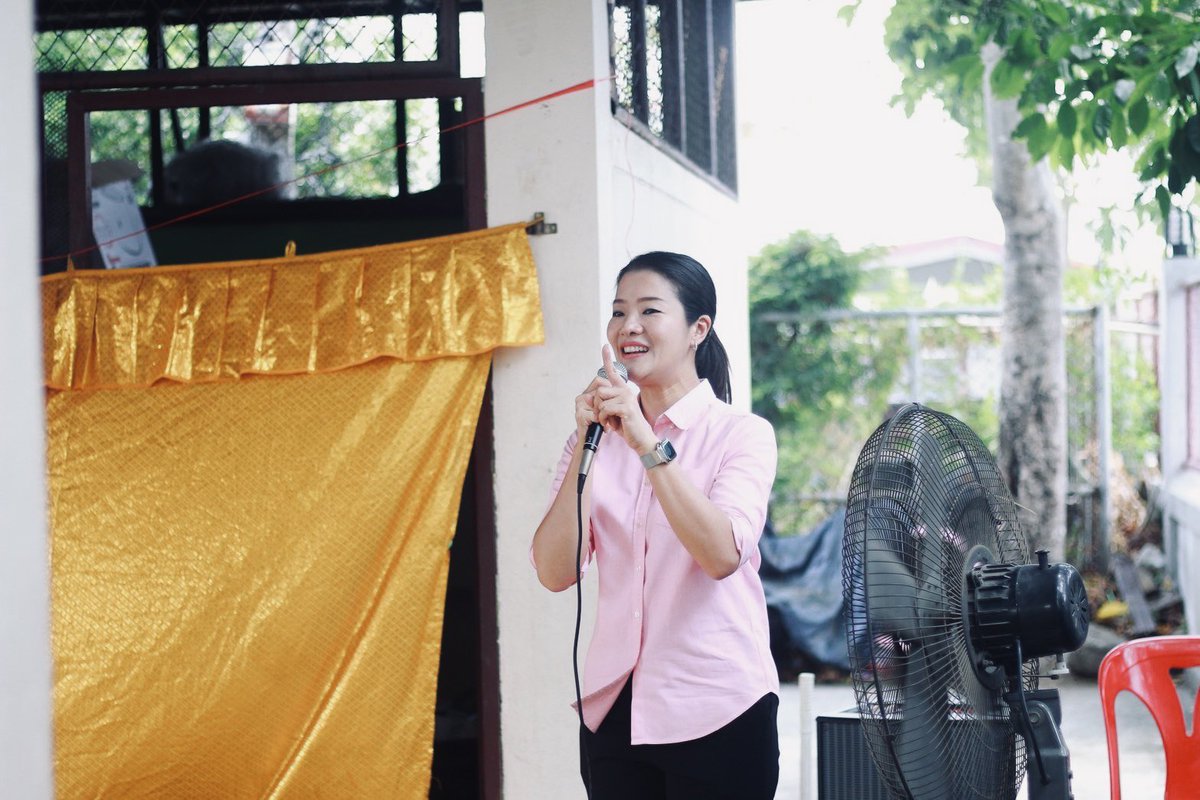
pixel 690 408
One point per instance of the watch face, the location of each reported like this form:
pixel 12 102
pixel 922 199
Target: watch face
pixel 667 450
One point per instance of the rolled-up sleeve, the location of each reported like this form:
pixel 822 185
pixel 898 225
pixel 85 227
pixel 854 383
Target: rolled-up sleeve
pixel 560 475
pixel 742 487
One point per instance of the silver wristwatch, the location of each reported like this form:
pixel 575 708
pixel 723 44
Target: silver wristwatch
pixel 662 453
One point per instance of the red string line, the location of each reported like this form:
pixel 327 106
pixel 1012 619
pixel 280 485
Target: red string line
pixel 578 87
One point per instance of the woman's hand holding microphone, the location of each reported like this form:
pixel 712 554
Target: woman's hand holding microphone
pixel 614 404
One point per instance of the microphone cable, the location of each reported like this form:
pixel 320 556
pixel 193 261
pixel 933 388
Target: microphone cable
pixel 590 445
pixel 587 766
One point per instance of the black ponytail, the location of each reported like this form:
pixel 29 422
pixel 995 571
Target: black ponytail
pixel 696 292
pixel 712 362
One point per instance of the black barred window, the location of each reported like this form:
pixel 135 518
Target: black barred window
pixel 199 103
pixel 672 63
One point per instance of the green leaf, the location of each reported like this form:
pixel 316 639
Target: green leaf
pixel 1056 12
pixel 1085 112
pixel 1039 141
pixel 1030 126
pixel 1161 88
pixel 1163 196
pixel 1060 46
pixel 846 13
pixel 1185 62
pixel 1155 164
pixel 1039 91
pixel 1008 79
pixel 1066 153
pixel 1139 116
pixel 1066 120
pixel 1176 180
pixel 1118 133
pixel 964 64
pixel 1102 122
pixel 1024 48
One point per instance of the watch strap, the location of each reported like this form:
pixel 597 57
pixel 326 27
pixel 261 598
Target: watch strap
pixel 663 453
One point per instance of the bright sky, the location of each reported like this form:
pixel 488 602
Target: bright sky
pixel 822 148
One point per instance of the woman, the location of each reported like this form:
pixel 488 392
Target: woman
pixel 680 692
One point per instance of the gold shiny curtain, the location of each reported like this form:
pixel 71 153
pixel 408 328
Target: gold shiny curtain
pixel 255 472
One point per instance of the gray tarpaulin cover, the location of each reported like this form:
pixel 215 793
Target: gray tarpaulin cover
pixel 802 579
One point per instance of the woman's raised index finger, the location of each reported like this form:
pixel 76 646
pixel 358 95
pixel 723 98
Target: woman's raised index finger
pixel 610 366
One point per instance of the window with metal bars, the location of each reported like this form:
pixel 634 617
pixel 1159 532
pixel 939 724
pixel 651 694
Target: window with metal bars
pixel 672 64
pixel 141 43
pixel 341 148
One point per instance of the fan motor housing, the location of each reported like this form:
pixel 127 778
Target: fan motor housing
pixel 1042 607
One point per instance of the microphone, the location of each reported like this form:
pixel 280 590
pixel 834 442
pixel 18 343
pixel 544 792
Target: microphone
pixel 595 430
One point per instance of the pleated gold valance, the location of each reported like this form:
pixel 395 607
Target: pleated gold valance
pixel 451 296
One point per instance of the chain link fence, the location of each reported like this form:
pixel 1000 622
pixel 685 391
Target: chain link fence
pixel 950 359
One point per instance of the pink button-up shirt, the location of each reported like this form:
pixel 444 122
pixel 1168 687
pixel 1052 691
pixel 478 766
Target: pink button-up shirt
pixel 697 648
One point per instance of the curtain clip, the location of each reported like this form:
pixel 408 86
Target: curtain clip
pixel 539 226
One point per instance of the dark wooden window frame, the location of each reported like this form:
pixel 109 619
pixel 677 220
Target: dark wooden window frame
pixel 446 65
pixel 82 103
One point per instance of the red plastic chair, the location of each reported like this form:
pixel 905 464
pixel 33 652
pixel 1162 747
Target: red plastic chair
pixel 1142 666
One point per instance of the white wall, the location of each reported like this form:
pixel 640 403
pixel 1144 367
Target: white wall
pixel 25 678
pixel 612 195
pixel 543 158
pixel 1181 515
pixel 659 204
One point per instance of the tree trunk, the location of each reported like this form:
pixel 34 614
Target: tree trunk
pixel 1032 454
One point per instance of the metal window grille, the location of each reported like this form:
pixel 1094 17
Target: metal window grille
pixel 122 35
pixel 672 62
pixel 82 46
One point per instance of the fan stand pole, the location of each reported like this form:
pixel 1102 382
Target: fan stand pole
pixel 1045 715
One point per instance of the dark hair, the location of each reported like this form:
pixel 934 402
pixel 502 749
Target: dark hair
pixel 695 289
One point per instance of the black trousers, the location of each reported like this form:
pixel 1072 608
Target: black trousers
pixel 737 762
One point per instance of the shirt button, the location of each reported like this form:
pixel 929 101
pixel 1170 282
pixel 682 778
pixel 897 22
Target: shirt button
pixel 637 615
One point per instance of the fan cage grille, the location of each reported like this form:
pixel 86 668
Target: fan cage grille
pixel 924 492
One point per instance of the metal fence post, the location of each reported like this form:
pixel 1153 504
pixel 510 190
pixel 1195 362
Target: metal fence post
pixel 1103 384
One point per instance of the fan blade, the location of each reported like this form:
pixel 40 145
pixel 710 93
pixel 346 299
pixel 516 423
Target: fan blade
pixel 890 585
pixel 920 743
pixel 930 472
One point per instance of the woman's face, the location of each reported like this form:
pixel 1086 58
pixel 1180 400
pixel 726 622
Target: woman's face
pixel 649 331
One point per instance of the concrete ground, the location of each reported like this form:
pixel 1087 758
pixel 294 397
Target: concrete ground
pixel 1143 770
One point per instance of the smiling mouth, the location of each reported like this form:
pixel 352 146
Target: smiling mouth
pixel 634 350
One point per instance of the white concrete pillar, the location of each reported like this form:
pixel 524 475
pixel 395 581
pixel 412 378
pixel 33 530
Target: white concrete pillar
pixel 544 158
pixel 25 675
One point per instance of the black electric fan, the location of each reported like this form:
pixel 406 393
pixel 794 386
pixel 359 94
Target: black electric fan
pixel 946 620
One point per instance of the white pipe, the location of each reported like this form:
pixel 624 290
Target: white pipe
pixel 808 738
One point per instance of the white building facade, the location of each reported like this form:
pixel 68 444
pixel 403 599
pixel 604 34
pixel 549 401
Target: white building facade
pixel 614 189
pixel 614 193
pixel 1179 370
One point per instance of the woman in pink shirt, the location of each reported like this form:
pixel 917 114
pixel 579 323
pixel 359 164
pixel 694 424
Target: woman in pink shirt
pixel 680 693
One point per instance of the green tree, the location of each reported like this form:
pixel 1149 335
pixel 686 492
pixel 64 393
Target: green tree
pixel 1056 81
pixel 955 51
pixel 822 383
pixel 1088 76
